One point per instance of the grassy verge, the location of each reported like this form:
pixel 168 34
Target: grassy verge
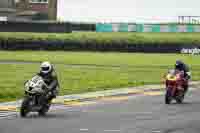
pixel 99 58
pixel 103 70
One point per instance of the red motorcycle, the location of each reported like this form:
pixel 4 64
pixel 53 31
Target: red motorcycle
pixel 175 83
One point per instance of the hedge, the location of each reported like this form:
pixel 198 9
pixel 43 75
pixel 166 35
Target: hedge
pixel 91 41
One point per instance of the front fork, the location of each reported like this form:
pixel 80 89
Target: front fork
pixel 34 101
pixel 171 90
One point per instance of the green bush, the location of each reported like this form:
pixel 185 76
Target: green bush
pixel 99 41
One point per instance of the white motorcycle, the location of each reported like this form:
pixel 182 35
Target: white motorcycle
pixel 35 97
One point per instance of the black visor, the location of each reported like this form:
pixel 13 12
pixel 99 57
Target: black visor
pixel 45 68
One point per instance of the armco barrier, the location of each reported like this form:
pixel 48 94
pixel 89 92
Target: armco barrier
pixel 48 27
pixel 35 27
pixel 83 27
pixel 131 27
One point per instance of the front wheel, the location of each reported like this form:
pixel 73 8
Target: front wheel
pixel 24 107
pixel 168 98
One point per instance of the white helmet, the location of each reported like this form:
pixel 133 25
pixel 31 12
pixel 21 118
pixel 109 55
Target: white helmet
pixel 46 67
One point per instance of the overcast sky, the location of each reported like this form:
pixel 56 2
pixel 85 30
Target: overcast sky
pixel 126 10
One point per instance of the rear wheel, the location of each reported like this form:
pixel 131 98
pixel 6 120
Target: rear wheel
pixel 42 112
pixel 44 109
pixel 180 98
pixel 179 101
pixel 24 107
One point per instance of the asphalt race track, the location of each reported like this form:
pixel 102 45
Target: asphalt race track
pixel 132 114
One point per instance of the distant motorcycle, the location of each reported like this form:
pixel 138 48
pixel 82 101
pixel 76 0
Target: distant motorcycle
pixel 35 97
pixel 175 82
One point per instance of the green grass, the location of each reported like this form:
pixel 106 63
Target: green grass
pixel 109 38
pixel 99 58
pixel 92 72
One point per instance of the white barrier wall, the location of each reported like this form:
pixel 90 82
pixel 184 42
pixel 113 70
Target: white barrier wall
pixel 123 27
